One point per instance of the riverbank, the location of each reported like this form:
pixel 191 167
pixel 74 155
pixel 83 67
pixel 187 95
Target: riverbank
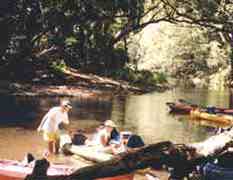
pixel 73 84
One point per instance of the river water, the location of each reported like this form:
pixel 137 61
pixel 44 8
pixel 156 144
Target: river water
pixel 146 115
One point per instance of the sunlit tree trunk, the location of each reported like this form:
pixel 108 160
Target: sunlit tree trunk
pixel 231 64
pixel 230 39
pixel 231 99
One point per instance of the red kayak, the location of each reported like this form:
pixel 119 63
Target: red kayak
pixel 184 107
pixel 180 108
pixel 15 170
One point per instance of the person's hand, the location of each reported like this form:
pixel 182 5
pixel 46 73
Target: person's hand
pixel 38 129
pixel 115 145
pixel 70 133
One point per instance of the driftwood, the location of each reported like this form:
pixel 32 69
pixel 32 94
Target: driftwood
pixel 213 145
pixel 182 159
pixel 93 79
pixel 122 164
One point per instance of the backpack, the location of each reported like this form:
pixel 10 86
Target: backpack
pixel 135 141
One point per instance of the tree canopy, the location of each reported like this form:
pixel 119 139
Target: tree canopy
pixel 92 35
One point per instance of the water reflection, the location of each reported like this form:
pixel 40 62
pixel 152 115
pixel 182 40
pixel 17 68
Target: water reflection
pixel 28 111
pixel 146 115
pixel 14 110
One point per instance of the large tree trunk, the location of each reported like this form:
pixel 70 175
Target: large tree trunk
pixel 228 37
pixel 182 158
pixel 213 145
pixel 231 64
pixel 231 99
pixel 122 164
pixel 100 81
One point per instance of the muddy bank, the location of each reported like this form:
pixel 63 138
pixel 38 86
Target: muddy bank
pixel 17 89
pixel 74 84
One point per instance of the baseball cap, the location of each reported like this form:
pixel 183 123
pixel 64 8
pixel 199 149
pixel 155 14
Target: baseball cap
pixel 66 103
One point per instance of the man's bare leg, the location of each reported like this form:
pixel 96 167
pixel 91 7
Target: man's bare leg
pixel 57 146
pixel 50 147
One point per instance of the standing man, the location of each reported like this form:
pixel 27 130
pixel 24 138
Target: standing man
pixel 50 125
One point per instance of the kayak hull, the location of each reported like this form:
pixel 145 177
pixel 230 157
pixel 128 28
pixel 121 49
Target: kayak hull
pixel 14 170
pixel 183 107
pixel 217 118
pixel 179 108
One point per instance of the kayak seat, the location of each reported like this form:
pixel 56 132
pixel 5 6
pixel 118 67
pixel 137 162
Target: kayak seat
pixel 211 110
pixel 135 141
pixel 79 139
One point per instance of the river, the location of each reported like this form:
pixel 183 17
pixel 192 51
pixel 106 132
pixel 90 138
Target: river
pixel 146 115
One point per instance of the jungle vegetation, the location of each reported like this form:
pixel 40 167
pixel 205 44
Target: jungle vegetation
pixel 93 35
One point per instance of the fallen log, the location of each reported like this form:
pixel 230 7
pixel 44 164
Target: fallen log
pixel 181 159
pixel 101 81
pixel 213 145
pixel 122 164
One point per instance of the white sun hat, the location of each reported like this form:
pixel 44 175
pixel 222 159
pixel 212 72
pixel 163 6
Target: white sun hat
pixel 110 123
pixel 66 103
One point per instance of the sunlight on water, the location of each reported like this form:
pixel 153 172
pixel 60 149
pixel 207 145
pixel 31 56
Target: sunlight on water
pixel 146 115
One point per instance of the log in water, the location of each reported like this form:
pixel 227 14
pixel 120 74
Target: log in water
pixel 182 158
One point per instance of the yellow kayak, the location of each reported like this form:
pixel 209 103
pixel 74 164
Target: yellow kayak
pixel 218 118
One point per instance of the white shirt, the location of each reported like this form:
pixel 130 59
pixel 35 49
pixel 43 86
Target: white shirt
pixel 96 141
pixel 52 119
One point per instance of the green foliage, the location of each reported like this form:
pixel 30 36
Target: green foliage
pixel 141 78
pixel 58 68
pixel 92 34
pixel 180 52
pixel 83 33
pixel 124 73
pixel 71 41
pixel 160 77
pixel 146 77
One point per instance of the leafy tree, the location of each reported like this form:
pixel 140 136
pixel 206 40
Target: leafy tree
pixel 214 15
pixel 92 34
pixel 88 34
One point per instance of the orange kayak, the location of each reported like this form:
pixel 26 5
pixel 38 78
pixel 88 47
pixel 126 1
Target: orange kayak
pixel 14 170
pixel 218 118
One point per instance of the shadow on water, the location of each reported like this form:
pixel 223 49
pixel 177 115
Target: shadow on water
pixel 16 111
pixel 146 115
pixel 28 111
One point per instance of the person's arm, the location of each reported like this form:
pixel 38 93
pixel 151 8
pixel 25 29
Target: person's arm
pixel 66 119
pixel 104 139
